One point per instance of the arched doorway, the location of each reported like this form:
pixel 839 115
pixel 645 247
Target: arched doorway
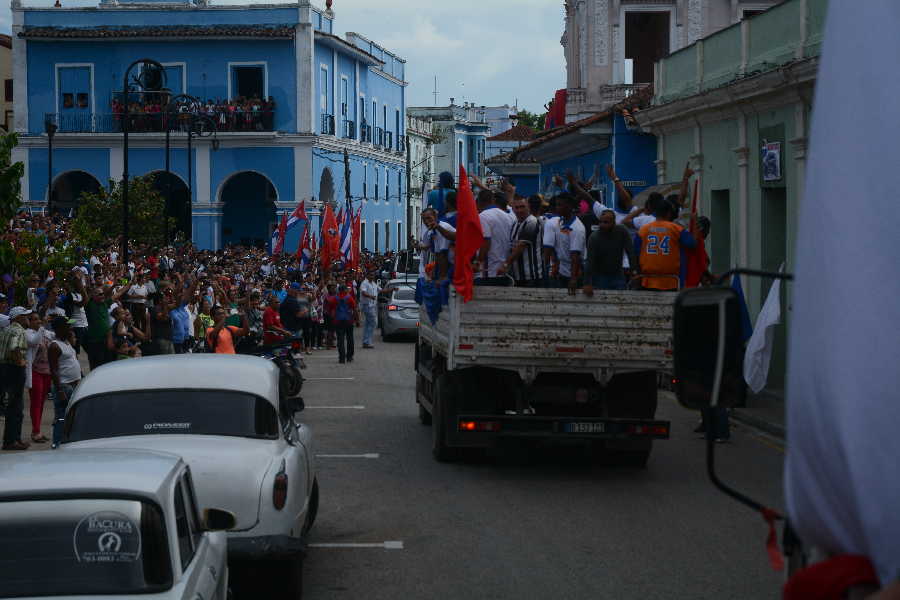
pixel 326 187
pixel 248 212
pixel 67 190
pixel 178 203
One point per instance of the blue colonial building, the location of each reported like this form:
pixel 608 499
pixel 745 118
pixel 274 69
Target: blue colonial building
pixel 288 98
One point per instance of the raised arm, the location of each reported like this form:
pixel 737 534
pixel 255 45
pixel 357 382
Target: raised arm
pixel 625 199
pixel 685 181
pixel 579 191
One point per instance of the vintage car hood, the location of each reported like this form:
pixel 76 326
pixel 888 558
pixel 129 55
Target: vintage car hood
pixel 228 472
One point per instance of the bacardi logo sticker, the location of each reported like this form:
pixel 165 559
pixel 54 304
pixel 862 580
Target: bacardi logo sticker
pixel 107 537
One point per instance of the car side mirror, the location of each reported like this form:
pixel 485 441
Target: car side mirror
pixel 708 348
pixel 216 519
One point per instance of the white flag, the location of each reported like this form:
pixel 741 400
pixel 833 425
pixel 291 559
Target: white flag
pixel 842 486
pixel 762 342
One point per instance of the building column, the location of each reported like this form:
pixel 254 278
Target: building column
pixel 20 70
pixel 202 192
pixel 742 154
pixel 306 89
pixel 116 162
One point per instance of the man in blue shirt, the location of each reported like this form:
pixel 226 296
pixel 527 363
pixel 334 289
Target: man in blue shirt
pixel 436 197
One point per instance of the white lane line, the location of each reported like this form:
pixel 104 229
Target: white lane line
pixel 392 545
pixel 348 455
pixel 339 407
pixel 330 378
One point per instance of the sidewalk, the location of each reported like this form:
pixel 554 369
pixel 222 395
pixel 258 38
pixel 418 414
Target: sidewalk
pixel 764 411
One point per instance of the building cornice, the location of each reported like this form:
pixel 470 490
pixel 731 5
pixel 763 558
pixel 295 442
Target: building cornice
pixel 761 92
pixel 390 78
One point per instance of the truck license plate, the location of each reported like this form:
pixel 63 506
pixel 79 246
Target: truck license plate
pixel 585 427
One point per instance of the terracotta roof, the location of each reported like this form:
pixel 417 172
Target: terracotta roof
pixel 264 31
pixel 519 133
pixel 626 107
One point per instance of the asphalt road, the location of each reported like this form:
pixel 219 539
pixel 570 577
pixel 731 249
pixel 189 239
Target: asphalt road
pixel 394 523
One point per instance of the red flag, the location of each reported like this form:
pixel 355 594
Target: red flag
pixel 469 237
pixel 331 239
pixel 355 239
pixel 304 241
pixel 301 211
pixel 282 230
pixel 697 258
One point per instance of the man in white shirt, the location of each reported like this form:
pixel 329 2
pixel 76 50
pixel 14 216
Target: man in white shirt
pixel 495 227
pixel 436 244
pixel 368 301
pixel 564 244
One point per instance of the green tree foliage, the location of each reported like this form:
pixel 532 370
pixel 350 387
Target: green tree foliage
pixel 10 178
pixel 533 120
pixel 99 218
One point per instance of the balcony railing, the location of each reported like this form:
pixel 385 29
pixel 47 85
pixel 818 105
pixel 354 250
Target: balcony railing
pixel 156 122
pixel 401 144
pixel 327 125
pixel 365 133
pixel 349 129
pixel 388 139
pixel 379 136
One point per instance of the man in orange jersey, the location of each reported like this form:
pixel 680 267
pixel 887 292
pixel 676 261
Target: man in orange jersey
pixel 660 245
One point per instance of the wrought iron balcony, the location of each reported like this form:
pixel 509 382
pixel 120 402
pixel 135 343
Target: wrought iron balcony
pixel 157 122
pixel 349 129
pixel 389 139
pixel 401 144
pixel 365 133
pixel 327 125
pixel 379 136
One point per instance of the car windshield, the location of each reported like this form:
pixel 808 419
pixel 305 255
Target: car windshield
pixel 80 547
pixel 404 294
pixel 198 412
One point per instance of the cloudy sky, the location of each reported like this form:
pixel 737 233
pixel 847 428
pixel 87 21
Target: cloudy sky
pixel 490 52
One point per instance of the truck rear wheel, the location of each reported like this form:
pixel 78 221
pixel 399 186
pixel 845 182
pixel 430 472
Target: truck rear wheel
pixel 442 395
pixel 424 415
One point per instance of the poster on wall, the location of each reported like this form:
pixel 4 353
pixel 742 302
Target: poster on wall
pixel 771 161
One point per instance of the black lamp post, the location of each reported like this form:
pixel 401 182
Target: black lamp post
pixel 153 79
pixel 199 125
pixel 50 128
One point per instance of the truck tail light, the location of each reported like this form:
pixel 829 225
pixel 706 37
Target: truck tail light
pixel 648 429
pixel 479 426
pixel 280 489
pixel 393 307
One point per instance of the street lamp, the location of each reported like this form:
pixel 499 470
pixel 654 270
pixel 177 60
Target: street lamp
pixel 50 129
pixel 199 125
pixel 152 78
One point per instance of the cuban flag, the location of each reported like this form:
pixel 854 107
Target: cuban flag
pixel 305 250
pixel 278 236
pixel 347 239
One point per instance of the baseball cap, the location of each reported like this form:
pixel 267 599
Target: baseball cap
pixel 295 286
pixel 18 311
pixel 58 322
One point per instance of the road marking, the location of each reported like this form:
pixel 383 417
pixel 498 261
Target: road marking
pixel 340 407
pixel 392 545
pixel 348 455
pixel 330 378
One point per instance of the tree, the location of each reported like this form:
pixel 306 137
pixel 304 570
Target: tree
pixel 10 178
pixel 533 120
pixel 99 218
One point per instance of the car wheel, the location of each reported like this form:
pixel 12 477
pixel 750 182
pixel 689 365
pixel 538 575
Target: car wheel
pixel 442 395
pixel 313 508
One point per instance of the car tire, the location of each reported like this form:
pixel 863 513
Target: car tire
pixel 313 508
pixel 442 396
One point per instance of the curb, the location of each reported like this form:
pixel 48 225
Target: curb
pixel 745 418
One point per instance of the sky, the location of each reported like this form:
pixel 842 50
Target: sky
pixel 490 52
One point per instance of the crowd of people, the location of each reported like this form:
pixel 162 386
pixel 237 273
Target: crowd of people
pixel 161 301
pixel 239 114
pixel 570 239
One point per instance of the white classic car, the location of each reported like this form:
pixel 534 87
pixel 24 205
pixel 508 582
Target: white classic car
pixel 225 415
pixel 107 523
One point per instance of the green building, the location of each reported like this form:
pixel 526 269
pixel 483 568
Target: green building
pixel 736 106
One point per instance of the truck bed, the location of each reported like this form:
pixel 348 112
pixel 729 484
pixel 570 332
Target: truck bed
pixel 532 331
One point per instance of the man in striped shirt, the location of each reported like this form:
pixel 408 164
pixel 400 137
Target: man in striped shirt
pixel 525 261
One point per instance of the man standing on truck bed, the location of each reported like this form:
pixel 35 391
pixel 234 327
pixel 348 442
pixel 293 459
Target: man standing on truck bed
pixel 603 264
pixel 525 258
pixel 495 227
pixel 660 245
pixel 564 241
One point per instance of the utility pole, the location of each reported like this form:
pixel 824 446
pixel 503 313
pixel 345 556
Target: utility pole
pixel 435 92
pixel 409 219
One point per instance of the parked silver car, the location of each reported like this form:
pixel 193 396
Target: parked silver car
pixel 110 523
pixel 227 417
pixel 400 313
